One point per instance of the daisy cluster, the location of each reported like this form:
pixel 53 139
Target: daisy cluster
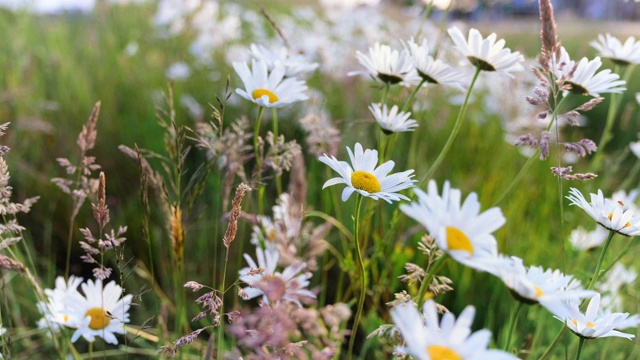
pixel 98 310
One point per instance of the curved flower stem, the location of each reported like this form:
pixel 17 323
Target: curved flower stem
pixel 580 344
pixel 256 151
pixel 596 273
pixel 527 165
pixel 363 276
pixel 454 132
pixel 409 102
pixel 512 324
pixel 427 11
pixel 429 277
pixel 383 139
pixel 553 344
pixel 385 94
pixel 611 114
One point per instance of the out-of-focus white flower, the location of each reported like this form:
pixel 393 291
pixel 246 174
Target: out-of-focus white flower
pixel 388 65
pixel 610 214
pixel 582 76
pixel 268 89
pixel 392 121
pixel 131 49
pixel 179 71
pixel 294 65
pixel 593 324
pixel 581 239
pixel 487 54
pixel 610 47
pixel 56 310
pixel 431 70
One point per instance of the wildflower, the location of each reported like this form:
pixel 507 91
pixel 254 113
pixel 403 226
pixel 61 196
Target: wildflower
pixel 487 54
pixel 432 338
pixel 607 213
pixel 268 89
pixel 459 230
pixel 294 64
pixel 582 76
pixel 290 285
pixel 101 312
pixel 55 311
pixel 431 70
pixel 365 178
pixel 390 66
pixel 622 54
pixel 535 285
pixel 592 324
pixel 392 121
pixel 582 239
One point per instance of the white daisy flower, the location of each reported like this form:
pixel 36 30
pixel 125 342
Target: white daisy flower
pixel 623 54
pixel 55 311
pixel 268 89
pixel 582 75
pixel 592 324
pixel 607 213
pixel 366 178
pixel 390 66
pixel 536 285
pixel 101 312
pixel 627 201
pixel 635 148
pixel 263 279
pixel 460 230
pixel 582 240
pixel 294 65
pixel 431 70
pixel 392 121
pixel 447 338
pixel 487 54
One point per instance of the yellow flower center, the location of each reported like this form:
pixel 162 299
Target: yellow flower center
pixel 610 217
pixel 539 291
pixel 439 352
pixel 258 93
pixel 99 318
pixel 65 318
pixel 363 180
pixel 457 240
pixel 590 325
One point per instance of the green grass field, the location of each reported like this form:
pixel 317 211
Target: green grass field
pixel 56 68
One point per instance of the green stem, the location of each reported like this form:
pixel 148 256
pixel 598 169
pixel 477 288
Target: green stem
pixel 275 134
pixel 553 344
pixel 363 276
pixel 256 151
pixel 385 94
pixel 429 277
pixel 382 143
pixel 580 344
pixel 425 16
pixel 454 132
pixel 512 325
pixel 596 273
pixel 529 162
pixel 409 102
pixel 221 309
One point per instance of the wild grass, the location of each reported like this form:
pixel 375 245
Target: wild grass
pixel 171 178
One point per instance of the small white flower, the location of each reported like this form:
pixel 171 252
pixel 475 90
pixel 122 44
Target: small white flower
pixel 56 310
pixel 179 71
pixel 537 285
pixel 101 312
pixel 268 89
pixel 487 54
pixel 294 65
pixel 593 324
pixel 582 76
pixel 459 229
pixel 431 70
pixel 610 214
pixel 447 338
pixel 290 285
pixel 366 178
pixel 392 121
pixel 390 66
pixel 582 239
pixel 624 54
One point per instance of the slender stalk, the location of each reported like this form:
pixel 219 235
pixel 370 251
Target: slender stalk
pixel 409 102
pixel 363 276
pixel 553 344
pixel 596 273
pixel 274 113
pixel 512 325
pixel 427 11
pixel 256 150
pixel 429 277
pixel 221 311
pixel 580 344
pixel 454 132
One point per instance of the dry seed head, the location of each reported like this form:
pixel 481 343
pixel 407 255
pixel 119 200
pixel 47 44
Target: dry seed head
pixel 176 232
pixel 590 104
pixel 101 211
pixel 87 138
pixel 236 207
pixel 8 263
pixel 548 35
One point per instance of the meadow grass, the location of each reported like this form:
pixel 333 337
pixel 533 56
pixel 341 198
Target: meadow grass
pixel 57 67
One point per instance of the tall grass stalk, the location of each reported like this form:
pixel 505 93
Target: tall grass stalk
pixel 363 275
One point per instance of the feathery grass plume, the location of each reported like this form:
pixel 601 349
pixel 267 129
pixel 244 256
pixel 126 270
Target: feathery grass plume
pixel 83 185
pixel 176 232
pixel 230 234
pixel 106 240
pixel 322 136
pixel 548 37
